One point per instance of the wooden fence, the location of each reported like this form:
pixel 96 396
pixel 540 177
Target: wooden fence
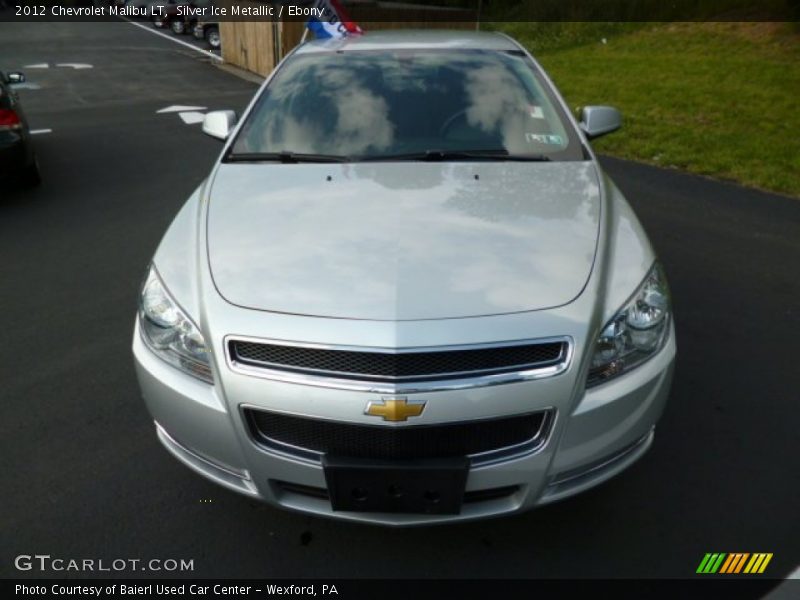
pixel 250 45
pixel 259 46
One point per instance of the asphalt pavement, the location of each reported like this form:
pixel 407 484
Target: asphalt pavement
pixel 84 476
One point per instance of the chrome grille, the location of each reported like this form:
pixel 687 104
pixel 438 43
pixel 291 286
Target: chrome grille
pixel 412 365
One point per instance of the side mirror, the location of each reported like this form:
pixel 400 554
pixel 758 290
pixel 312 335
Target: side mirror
pixel 219 123
pixel 599 120
pixel 16 77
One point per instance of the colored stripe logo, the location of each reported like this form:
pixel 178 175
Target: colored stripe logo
pixel 734 563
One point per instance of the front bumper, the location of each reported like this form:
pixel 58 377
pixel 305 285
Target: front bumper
pixel 16 152
pixel 592 439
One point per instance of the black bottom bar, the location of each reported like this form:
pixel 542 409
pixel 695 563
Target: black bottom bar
pixel 434 487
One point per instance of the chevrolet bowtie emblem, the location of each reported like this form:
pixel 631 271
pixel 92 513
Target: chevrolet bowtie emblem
pixel 394 409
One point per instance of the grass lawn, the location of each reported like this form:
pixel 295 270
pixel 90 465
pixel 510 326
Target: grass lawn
pixel 719 99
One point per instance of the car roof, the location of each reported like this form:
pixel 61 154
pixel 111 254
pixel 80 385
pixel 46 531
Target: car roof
pixel 397 39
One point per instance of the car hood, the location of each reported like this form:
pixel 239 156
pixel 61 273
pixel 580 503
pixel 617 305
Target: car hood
pixel 403 241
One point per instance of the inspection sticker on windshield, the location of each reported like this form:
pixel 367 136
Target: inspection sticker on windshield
pixel 535 112
pixel 543 138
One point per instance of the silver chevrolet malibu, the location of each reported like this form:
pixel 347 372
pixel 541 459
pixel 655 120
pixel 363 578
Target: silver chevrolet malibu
pixel 406 293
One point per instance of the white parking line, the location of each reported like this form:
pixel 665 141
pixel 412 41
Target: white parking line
pixel 173 39
pixel 75 65
pixel 178 108
pixel 40 131
pixel 786 590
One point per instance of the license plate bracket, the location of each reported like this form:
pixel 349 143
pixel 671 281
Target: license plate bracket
pixel 434 487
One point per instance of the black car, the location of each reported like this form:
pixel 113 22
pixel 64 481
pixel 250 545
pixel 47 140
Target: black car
pixel 17 157
pixel 168 17
pixel 208 30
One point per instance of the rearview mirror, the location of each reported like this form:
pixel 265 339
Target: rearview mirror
pixel 599 120
pixel 16 77
pixel 219 123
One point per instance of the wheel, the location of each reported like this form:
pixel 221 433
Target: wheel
pixel 212 37
pixel 31 176
pixel 177 26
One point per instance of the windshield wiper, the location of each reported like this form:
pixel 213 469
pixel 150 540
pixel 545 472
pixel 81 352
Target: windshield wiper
pixel 499 154
pixel 494 154
pixel 285 157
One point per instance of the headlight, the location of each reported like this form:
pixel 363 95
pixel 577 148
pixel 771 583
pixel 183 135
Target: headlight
pixel 169 332
pixel 635 333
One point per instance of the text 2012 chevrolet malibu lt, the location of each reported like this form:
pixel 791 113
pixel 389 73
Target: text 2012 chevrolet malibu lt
pixel 406 293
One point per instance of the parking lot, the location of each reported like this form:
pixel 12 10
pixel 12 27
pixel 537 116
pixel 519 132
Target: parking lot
pixel 120 149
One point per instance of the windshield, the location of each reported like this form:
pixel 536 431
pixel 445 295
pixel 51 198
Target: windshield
pixel 368 105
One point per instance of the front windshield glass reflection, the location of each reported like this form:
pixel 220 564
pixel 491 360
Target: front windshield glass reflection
pixel 370 104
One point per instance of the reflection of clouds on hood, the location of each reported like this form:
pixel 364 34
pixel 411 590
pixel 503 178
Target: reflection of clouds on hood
pixel 399 179
pixel 356 248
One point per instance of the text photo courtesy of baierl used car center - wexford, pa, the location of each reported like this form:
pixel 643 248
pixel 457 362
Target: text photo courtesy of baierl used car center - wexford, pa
pixel 375 299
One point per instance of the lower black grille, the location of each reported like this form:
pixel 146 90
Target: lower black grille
pixel 406 366
pixel 472 496
pixel 311 438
